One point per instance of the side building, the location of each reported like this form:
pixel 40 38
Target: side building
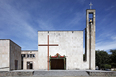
pixel 29 59
pixel 10 55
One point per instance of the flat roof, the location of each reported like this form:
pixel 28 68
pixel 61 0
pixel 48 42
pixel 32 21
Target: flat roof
pixel 61 30
pixel 28 50
pixel 11 41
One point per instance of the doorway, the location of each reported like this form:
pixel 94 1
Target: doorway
pixel 16 64
pixel 57 64
pixel 30 65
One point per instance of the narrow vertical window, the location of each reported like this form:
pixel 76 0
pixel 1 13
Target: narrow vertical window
pixel 28 55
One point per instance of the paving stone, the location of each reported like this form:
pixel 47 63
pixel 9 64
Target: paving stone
pixel 60 73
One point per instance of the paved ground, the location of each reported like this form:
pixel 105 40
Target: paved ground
pixel 56 72
pixel 60 73
pixel 64 73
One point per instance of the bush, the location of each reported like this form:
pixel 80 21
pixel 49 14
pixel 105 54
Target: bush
pixel 107 66
pixel 113 65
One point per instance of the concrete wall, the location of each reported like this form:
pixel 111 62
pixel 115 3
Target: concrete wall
pixel 15 54
pixel 90 46
pixel 9 52
pixel 34 60
pixel 70 44
pixel 4 55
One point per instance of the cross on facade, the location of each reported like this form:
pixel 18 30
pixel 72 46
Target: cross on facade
pixel 90 5
pixel 48 48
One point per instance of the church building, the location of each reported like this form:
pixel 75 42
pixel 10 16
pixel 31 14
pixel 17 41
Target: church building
pixel 58 50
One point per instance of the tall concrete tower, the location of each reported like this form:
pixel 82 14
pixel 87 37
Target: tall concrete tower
pixel 90 38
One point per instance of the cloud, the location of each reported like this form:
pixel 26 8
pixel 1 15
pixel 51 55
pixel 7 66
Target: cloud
pixel 81 1
pixel 16 24
pixel 16 21
pixel 74 21
pixel 106 42
pixel 46 23
pixel 106 45
pixel 45 26
pixel 113 37
pixel 110 8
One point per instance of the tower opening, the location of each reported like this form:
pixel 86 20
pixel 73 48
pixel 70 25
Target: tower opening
pixel 90 18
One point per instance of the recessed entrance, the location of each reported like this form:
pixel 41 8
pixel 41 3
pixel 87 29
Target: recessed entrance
pixel 16 64
pixel 57 62
pixel 29 65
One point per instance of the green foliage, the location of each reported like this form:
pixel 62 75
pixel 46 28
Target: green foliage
pixel 83 57
pixel 113 65
pixel 113 58
pixel 102 58
pixel 105 60
pixel 107 66
pixel 114 70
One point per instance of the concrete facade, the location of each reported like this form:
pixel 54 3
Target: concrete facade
pixel 90 38
pixel 26 59
pixel 70 44
pixel 4 55
pixel 89 63
pixel 9 53
pixel 15 55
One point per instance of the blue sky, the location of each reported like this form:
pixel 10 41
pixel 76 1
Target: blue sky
pixel 20 20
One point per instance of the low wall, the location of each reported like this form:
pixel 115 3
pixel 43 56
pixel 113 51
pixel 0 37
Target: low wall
pixel 4 69
pixel 102 73
pixel 4 73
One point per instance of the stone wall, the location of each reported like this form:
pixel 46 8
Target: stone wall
pixel 4 55
pixel 15 54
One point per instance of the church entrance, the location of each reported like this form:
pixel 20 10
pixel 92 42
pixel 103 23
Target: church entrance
pixel 57 62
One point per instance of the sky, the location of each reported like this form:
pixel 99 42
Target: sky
pixel 20 20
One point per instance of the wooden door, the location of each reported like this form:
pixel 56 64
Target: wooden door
pixel 57 64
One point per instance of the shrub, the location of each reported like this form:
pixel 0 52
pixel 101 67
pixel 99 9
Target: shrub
pixel 107 66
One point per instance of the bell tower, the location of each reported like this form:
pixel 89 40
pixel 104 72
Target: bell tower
pixel 90 38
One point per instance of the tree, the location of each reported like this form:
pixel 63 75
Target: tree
pixel 84 57
pixel 102 58
pixel 105 60
pixel 113 58
pixel 107 66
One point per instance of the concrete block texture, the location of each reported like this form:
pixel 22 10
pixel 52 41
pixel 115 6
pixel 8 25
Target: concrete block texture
pixel 9 52
pixel 15 56
pixel 34 60
pixel 4 55
pixel 90 38
pixel 70 44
